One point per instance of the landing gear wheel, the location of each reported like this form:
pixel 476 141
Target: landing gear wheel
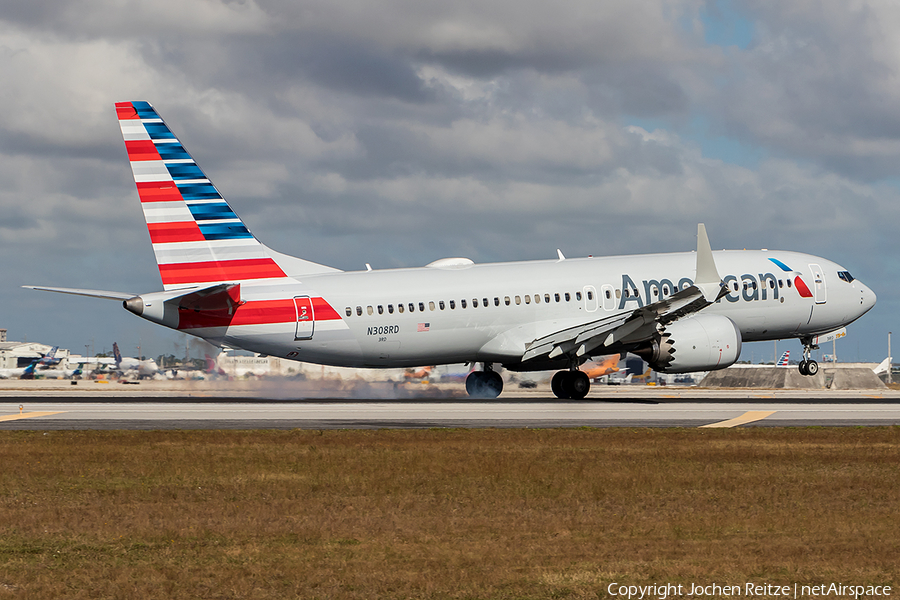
pixel 577 384
pixel 570 385
pixel 474 383
pixel 556 385
pixel 812 367
pixel 484 384
pixel 802 367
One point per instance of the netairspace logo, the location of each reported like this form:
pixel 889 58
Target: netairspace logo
pixel 661 591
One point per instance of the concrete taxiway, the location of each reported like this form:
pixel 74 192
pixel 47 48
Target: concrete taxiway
pixel 259 405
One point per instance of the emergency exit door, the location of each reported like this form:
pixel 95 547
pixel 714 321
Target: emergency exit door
pixel 305 318
pixel 819 289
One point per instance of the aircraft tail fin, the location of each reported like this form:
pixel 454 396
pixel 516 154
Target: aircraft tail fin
pixel 197 237
pixel 117 354
pixel 783 361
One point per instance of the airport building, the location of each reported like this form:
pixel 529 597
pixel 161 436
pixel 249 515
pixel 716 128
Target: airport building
pixel 15 355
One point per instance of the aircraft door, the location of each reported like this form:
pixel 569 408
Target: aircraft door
pixel 819 291
pixel 590 298
pixel 305 318
pixel 608 296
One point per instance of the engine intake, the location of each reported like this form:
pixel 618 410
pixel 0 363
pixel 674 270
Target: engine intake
pixel 701 343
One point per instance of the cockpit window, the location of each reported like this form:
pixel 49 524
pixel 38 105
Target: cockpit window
pixel 846 276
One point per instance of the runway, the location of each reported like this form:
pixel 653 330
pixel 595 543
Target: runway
pixel 280 404
pixel 188 413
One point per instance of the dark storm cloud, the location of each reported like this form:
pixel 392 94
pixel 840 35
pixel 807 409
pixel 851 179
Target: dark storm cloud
pixel 403 131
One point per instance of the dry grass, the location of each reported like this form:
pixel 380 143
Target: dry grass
pixel 442 514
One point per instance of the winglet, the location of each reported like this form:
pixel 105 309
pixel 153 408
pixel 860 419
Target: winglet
pixel 707 278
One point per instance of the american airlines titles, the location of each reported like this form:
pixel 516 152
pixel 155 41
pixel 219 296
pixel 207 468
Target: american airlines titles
pixel 750 289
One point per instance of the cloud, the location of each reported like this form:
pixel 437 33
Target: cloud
pixel 400 132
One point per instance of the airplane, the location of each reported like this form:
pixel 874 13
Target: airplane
pixel 28 372
pixel 783 361
pixel 19 372
pixel 681 312
pixel 57 372
pixel 134 366
pixel 619 377
pixel 49 358
pixel 595 369
pixel 423 374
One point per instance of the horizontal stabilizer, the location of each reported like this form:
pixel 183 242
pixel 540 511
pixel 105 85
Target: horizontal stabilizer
pixel 76 292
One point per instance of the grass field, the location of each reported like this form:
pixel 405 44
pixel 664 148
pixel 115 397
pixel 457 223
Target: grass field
pixel 443 513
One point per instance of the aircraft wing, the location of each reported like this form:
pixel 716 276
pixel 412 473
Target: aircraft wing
pixel 638 324
pixel 77 292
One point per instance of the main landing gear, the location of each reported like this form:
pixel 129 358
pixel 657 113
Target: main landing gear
pixel 484 384
pixel 572 384
pixel 807 365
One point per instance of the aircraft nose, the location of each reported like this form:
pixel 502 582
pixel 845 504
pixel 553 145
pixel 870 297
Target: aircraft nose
pixel 867 298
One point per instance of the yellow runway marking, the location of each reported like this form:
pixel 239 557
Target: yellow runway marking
pixel 747 417
pixel 28 415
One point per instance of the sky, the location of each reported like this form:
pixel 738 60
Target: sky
pixel 399 132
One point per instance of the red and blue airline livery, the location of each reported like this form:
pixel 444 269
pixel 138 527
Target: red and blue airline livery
pixel 682 312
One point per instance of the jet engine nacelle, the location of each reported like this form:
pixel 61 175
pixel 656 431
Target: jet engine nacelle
pixel 701 343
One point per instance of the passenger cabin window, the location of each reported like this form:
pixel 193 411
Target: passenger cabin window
pixel 528 299
pixel 462 303
pixel 431 306
pixel 568 298
pixel 400 307
pixel 556 296
pixel 474 302
pixel 496 301
pixel 441 304
pixel 421 307
pixel 412 307
pixel 452 304
pixel 577 296
pixel 547 298
pixel 390 309
pixel 369 310
pixel 359 311
pixel 349 311
pixel 380 309
pixel 590 295
pixel 518 300
pixel 506 300
pixel 789 282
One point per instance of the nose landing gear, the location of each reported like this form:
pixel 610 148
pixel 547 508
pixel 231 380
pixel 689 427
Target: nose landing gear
pixel 807 365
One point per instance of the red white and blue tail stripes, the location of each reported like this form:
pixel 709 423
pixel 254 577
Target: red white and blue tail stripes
pixel 197 237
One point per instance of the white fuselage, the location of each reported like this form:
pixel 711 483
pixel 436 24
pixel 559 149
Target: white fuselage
pixel 491 312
